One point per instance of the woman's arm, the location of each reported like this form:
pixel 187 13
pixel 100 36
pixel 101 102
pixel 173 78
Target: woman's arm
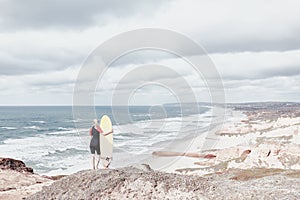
pixel 101 131
pixel 105 134
pixel 98 129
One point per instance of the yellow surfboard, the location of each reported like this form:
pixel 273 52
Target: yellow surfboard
pixel 106 142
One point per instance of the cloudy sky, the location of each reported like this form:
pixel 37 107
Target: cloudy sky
pixel 255 46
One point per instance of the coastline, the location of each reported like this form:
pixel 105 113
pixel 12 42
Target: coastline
pixel 256 156
pixel 192 144
pixel 244 142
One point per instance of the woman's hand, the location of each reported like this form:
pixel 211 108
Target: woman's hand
pixel 105 134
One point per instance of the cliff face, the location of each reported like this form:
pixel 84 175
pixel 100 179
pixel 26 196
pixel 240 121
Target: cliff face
pixel 133 183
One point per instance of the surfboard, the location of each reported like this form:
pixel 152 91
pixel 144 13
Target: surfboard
pixel 106 142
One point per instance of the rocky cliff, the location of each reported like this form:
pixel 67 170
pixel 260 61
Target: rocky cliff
pixel 17 181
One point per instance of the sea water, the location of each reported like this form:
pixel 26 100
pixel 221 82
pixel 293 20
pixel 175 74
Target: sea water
pixel 51 141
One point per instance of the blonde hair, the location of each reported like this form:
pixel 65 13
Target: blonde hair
pixel 95 121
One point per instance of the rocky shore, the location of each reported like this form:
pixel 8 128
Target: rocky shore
pixel 145 183
pixel 257 156
pixel 17 181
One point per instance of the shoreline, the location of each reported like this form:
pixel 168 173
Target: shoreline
pixel 43 146
pixel 190 145
pixel 245 141
pixel 251 152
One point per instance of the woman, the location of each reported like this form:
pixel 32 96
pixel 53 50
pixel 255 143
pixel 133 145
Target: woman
pixel 95 143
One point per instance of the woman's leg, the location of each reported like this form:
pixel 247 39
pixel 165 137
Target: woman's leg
pixel 98 161
pixel 93 159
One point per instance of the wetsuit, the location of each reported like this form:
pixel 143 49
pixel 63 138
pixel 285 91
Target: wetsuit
pixel 95 142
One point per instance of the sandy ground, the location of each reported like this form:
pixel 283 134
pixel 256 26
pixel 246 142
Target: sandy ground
pixel 17 185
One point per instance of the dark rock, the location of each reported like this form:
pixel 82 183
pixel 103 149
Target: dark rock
pixel 246 152
pixel 12 164
pixel 209 156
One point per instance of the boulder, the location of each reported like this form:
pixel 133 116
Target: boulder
pixel 16 165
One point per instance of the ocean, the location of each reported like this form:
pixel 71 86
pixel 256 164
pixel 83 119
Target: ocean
pixel 51 141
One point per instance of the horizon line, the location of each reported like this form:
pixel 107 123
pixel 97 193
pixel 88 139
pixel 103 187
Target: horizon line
pixel 68 105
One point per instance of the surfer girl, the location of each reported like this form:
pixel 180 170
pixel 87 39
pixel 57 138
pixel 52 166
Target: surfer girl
pixel 95 132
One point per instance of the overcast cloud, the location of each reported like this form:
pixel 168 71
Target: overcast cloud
pixel 255 46
pixel 68 14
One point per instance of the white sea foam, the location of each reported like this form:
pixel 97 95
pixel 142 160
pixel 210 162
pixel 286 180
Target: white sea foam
pixel 160 130
pixel 40 122
pixel 82 162
pixel 9 128
pixel 76 120
pixel 33 127
pixel 63 132
pixel 64 129
pixel 35 149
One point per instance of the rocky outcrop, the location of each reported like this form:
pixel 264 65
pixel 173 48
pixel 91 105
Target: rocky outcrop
pixel 125 183
pixel 133 183
pixel 16 165
pixel 17 181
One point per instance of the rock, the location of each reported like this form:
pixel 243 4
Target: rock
pixel 209 156
pixel 17 181
pixel 55 178
pixel 133 183
pixel 124 183
pixel 147 167
pixel 246 152
pixel 16 165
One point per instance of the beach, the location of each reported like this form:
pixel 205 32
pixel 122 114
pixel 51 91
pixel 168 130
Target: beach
pixel 255 138
pixel 195 99
pixel 255 156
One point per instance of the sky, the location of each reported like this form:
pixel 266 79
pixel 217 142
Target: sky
pixel 254 45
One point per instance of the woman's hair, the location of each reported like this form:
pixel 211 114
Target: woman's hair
pixel 95 121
